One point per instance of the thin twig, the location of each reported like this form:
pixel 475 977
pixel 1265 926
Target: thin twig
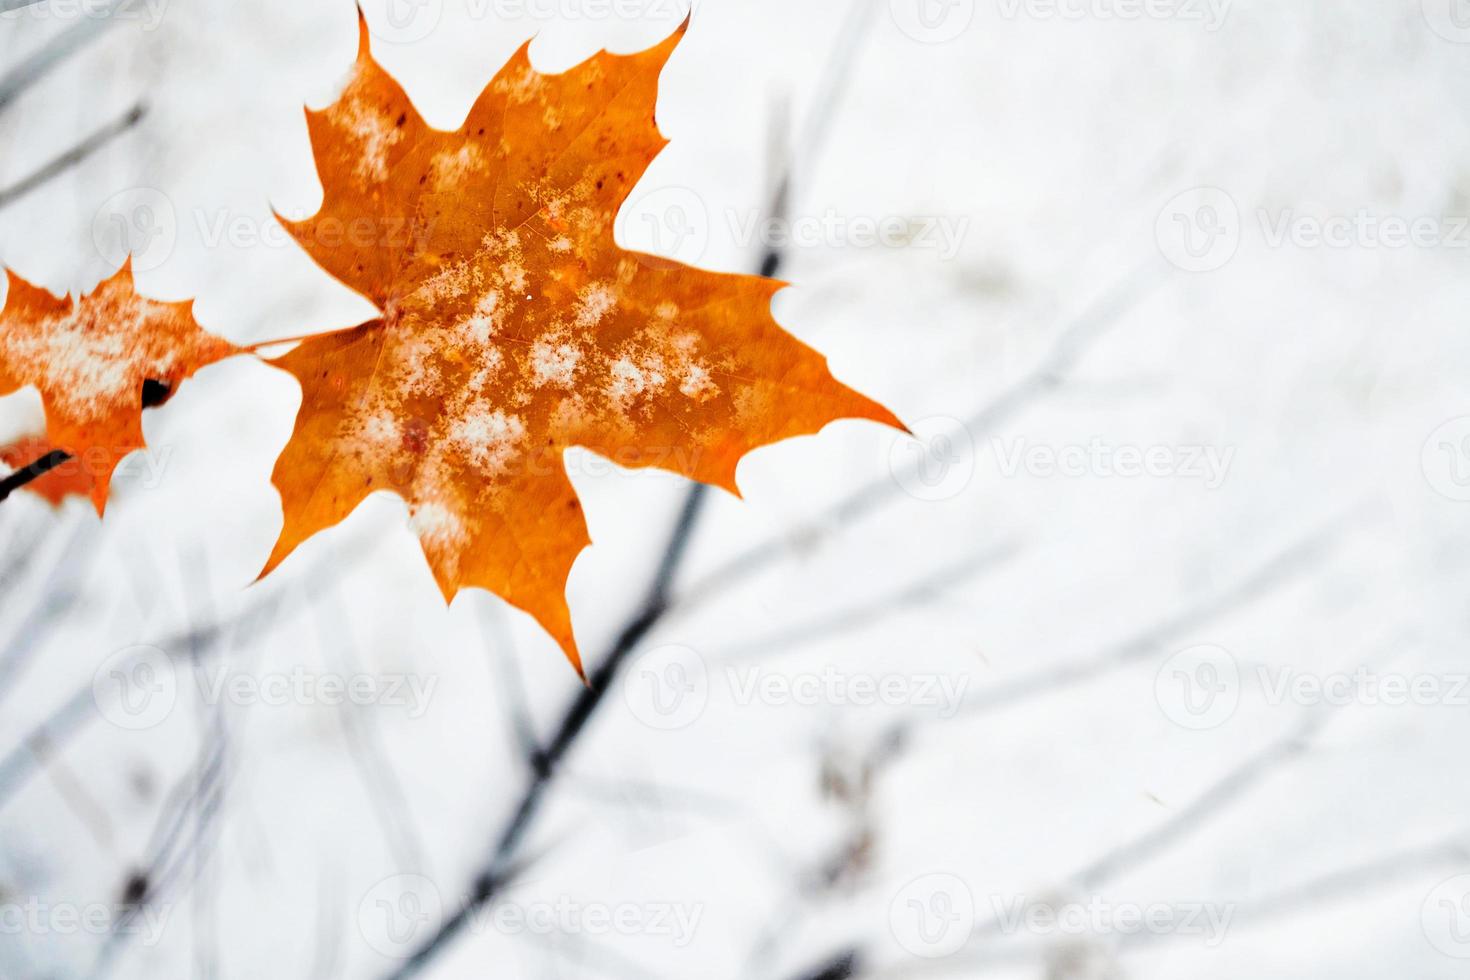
pixel 365 744
pixel 73 156
pixel 80 710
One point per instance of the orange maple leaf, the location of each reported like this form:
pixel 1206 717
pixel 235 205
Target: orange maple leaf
pixel 98 361
pixel 512 326
pixel 71 478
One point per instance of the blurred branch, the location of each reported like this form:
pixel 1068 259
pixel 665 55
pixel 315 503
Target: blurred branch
pixel 57 597
pixel 20 550
pixel 73 156
pixel 369 755
pixel 1257 584
pixel 840 966
pixel 499 869
pixel 32 471
pixel 492 875
pixel 198 811
pixel 1048 375
pixel 1354 881
pixel 199 793
pixel 511 689
pixel 1325 889
pixel 80 710
pixel 878 608
pixel 1206 807
pixel 54 52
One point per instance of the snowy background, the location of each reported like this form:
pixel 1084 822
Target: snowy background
pixel 1146 659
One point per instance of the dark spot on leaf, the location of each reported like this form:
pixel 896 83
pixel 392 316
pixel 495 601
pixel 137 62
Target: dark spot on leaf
pixel 155 393
pixel 402 118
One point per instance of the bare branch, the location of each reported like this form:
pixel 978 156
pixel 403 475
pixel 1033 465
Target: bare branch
pixel 57 50
pixel 32 471
pixel 498 870
pixel 72 157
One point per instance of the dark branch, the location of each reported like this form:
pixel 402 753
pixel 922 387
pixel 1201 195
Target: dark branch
pixel 840 966
pixel 33 471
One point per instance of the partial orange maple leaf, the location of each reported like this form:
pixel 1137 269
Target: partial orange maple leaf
pixel 71 478
pixel 98 361
pixel 512 326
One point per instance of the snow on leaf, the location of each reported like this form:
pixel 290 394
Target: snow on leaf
pixel 512 327
pixel 98 361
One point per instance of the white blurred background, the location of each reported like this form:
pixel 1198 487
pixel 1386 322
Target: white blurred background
pixel 1145 659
